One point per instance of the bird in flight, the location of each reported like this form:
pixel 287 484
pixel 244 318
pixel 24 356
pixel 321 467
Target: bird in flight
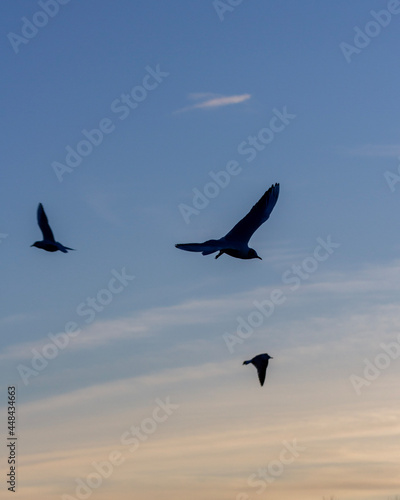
pixel 236 242
pixel 261 363
pixel 48 243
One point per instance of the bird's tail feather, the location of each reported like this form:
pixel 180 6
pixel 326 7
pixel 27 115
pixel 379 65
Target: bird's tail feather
pixel 64 249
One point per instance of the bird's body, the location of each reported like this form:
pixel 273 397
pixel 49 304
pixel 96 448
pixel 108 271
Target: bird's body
pixel 261 363
pixel 236 242
pixel 48 243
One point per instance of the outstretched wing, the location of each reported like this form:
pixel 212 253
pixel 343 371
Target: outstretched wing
pixel 205 248
pixel 261 365
pixel 260 212
pixel 44 224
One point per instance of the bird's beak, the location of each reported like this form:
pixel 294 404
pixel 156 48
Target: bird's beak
pixel 258 257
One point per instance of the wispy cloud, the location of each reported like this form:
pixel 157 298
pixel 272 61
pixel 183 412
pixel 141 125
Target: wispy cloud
pixel 374 151
pixel 240 439
pixel 239 424
pixel 100 333
pixel 368 283
pixel 209 100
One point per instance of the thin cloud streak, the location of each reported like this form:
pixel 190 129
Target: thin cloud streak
pixel 97 334
pixel 213 101
pixel 374 151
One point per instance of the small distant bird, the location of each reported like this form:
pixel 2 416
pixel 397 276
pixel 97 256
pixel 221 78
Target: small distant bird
pixel 261 363
pixel 48 243
pixel 235 243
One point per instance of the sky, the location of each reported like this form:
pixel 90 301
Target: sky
pixel 139 125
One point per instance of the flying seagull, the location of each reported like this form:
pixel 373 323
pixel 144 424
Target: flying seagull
pixel 48 243
pixel 261 363
pixel 235 243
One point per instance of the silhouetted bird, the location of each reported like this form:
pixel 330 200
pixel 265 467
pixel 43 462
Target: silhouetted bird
pixel 48 243
pixel 261 363
pixel 235 243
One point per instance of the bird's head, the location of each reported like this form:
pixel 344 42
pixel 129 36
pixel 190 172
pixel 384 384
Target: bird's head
pixel 252 254
pixel 36 244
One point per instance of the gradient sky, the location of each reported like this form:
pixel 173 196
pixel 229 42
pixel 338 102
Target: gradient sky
pixel 206 84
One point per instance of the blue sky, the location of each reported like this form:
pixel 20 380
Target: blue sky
pixel 205 87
